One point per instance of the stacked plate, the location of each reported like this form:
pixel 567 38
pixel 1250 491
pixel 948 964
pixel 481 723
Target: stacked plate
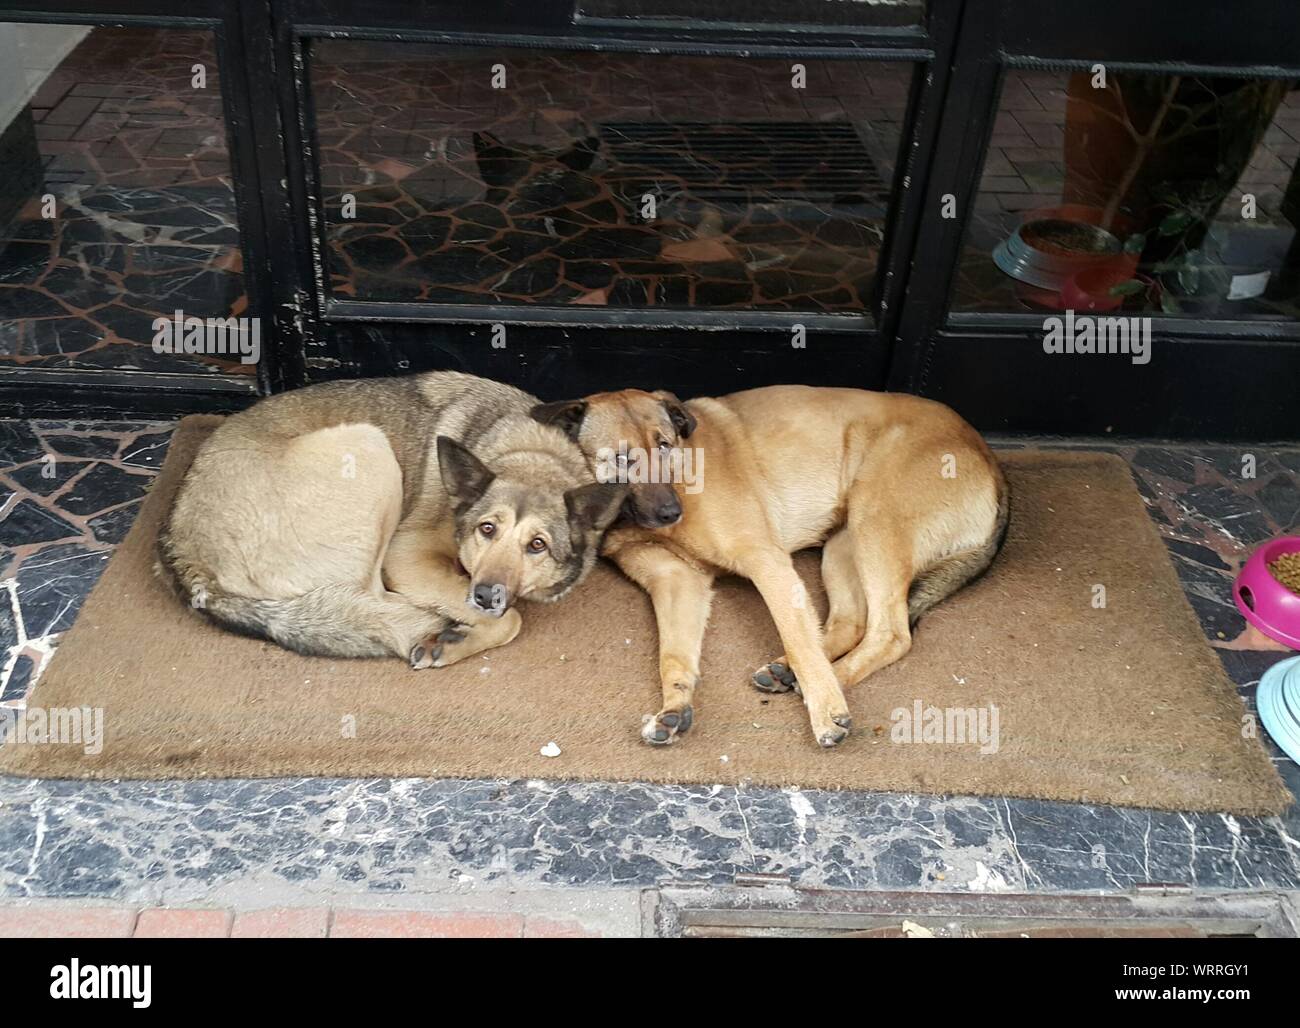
pixel 1278 700
pixel 1046 251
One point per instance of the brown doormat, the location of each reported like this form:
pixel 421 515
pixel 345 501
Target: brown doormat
pixel 1123 704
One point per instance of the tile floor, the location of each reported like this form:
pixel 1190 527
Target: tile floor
pixel 133 157
pixel 148 843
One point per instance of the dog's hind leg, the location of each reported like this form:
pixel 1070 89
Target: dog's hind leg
pixel 886 576
pixel 345 621
pixel 846 620
pixel 773 573
pixel 681 595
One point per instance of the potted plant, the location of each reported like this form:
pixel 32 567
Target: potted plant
pixel 1098 288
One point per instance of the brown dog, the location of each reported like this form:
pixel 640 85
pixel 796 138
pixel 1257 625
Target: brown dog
pixel 903 494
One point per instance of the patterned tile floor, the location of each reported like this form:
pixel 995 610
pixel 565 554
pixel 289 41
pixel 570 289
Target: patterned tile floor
pixel 144 222
pixel 70 490
pixel 535 193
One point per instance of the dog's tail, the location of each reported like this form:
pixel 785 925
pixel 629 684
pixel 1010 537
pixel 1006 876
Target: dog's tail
pixel 942 579
pixel 333 621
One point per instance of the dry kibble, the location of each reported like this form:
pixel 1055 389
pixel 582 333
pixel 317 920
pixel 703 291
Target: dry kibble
pixel 1286 569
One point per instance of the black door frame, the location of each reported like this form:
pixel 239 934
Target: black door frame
pixel 556 351
pixel 1220 378
pixel 256 163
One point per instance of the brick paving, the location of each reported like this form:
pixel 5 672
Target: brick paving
pixel 1025 170
pixel 1025 163
pixel 66 922
pixel 163 923
pixel 58 919
pixel 61 920
pixel 282 923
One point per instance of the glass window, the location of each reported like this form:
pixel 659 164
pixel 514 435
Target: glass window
pixel 116 204
pixel 472 175
pixel 1148 192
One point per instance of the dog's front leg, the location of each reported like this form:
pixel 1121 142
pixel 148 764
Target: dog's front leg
pixel 681 595
pixel 413 568
pixel 773 573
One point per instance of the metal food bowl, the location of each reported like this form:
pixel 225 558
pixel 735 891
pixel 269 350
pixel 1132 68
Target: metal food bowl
pixel 1030 254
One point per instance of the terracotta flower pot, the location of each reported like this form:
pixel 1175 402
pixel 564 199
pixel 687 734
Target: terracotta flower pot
pixel 1090 288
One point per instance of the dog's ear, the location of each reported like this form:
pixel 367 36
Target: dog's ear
pixel 464 476
pixel 682 419
pixel 566 415
pixel 594 507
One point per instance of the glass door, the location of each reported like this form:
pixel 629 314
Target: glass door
pixel 1112 223
pixel 616 194
pixel 128 210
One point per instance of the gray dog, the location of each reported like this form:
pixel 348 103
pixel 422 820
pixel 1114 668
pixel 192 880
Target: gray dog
pixel 385 516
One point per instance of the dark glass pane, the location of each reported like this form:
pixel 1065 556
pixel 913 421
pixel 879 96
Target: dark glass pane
pixel 1154 193
pixel 594 178
pixel 116 204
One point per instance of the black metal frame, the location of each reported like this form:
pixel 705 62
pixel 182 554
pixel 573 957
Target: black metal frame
pixel 563 350
pixel 34 391
pixel 1229 379
pixel 1226 379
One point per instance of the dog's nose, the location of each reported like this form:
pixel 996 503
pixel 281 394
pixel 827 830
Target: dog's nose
pixel 490 597
pixel 668 512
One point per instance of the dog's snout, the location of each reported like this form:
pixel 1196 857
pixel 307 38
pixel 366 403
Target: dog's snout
pixel 668 512
pixel 490 597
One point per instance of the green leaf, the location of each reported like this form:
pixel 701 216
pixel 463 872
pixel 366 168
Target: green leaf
pixel 1176 222
pixel 1135 243
pixel 1127 288
pixel 1168 304
pixel 1189 278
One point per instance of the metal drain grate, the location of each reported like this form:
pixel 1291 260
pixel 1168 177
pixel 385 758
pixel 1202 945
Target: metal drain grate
pixel 769 905
pixel 746 162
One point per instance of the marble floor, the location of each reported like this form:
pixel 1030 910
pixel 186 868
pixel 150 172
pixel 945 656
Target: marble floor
pixel 70 491
pixel 438 186
pixel 117 205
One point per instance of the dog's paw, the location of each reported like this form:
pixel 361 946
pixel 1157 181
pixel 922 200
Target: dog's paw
pixel 775 677
pixel 430 651
pixel 663 728
pixel 832 730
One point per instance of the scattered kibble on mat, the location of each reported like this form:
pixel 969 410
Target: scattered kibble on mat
pixel 1286 569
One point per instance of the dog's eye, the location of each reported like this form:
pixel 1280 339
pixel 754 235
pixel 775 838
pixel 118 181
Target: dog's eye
pixel 537 544
pixel 486 529
pixel 664 445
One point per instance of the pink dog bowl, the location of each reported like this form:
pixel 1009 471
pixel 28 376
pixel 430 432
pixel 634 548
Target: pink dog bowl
pixel 1264 601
